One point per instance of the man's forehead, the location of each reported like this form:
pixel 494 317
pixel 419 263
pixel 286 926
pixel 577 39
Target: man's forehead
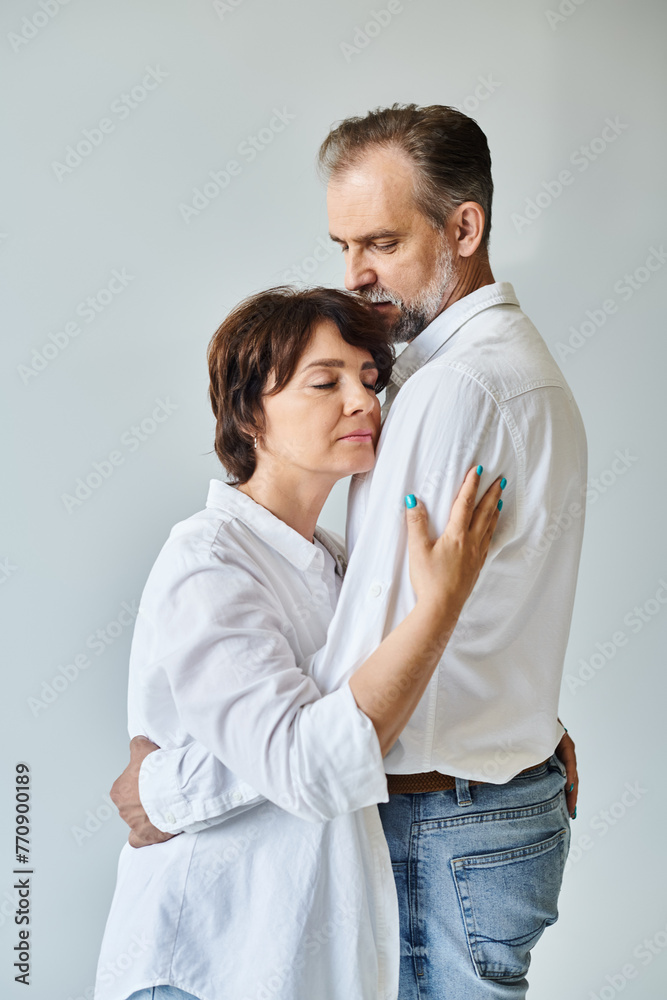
pixel 379 175
pixel 370 200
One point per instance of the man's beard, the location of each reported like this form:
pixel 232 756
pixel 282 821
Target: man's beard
pixel 418 313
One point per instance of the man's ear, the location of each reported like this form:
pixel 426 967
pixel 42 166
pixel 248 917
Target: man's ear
pixel 467 227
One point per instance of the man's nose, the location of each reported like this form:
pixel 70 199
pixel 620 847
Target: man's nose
pixel 358 273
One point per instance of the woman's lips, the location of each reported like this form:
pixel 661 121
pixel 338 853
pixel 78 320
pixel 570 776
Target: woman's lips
pixel 358 436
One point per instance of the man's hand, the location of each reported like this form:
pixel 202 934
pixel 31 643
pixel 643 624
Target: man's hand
pixel 125 795
pixel 566 755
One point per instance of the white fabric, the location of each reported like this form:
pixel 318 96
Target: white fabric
pixel 295 898
pixel 478 385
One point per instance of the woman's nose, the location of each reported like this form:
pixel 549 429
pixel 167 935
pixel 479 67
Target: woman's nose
pixel 359 398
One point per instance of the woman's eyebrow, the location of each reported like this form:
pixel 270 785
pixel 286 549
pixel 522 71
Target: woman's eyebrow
pixel 335 363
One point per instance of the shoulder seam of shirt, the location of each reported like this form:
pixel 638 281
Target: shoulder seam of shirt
pixel 486 384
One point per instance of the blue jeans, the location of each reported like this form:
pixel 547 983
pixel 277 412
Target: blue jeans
pixel 478 872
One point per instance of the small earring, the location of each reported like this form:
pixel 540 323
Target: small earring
pixel 255 440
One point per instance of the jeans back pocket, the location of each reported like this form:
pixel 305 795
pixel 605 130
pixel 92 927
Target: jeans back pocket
pixel 507 899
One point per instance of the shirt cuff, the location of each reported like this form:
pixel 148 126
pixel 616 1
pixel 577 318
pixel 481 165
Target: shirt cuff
pixel 180 795
pixel 347 769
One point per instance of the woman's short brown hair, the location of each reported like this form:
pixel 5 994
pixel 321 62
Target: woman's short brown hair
pixel 266 334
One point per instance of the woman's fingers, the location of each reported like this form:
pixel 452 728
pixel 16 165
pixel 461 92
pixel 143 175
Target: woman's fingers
pixel 417 518
pixel 488 534
pixel 463 507
pixel 485 515
pixel 419 543
pixel 464 518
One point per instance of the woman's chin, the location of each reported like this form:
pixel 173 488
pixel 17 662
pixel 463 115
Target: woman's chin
pixel 363 465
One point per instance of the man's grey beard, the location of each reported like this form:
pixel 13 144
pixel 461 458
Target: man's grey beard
pixel 416 315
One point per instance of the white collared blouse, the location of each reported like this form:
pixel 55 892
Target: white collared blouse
pixel 293 898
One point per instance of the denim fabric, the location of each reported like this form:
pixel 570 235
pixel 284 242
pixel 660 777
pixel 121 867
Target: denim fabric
pixel 161 993
pixel 478 871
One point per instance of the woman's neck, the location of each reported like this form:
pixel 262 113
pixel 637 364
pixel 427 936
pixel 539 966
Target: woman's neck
pixel 296 500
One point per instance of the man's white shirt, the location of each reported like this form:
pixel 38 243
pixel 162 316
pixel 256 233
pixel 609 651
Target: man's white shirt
pixel 477 386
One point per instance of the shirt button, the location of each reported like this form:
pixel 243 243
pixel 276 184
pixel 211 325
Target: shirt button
pixel 375 590
pixel 236 797
pixel 170 818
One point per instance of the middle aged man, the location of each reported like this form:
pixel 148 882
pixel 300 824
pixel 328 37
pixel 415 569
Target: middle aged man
pixel 476 822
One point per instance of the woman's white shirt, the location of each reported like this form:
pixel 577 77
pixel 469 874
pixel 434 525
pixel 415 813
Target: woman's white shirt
pixel 295 897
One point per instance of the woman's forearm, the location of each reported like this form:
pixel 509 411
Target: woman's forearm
pixel 389 684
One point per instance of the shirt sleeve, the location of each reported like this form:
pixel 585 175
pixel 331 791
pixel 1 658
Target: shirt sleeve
pixel 187 789
pixel 218 638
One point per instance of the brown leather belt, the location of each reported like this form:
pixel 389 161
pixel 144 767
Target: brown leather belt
pixel 434 781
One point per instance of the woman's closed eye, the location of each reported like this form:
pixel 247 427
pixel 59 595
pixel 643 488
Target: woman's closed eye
pixel 331 385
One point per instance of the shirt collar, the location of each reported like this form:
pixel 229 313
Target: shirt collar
pixel 285 540
pixel 446 324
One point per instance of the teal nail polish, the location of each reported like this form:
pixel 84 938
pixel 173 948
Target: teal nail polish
pixel 503 483
pixel 574 814
pixel 500 505
pixel 571 788
pixel 410 500
pixel 480 470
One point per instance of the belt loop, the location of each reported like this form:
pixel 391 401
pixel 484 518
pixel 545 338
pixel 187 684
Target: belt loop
pixel 463 792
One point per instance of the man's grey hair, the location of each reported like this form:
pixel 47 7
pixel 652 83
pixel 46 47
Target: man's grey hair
pixel 448 149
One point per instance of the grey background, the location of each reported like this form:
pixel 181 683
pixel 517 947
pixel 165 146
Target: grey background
pixel 552 80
